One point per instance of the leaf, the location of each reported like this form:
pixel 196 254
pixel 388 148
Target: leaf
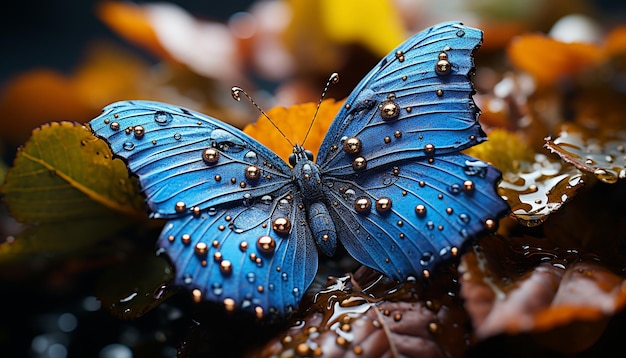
pixel 504 150
pixel 549 297
pixel 133 22
pixel 370 315
pixel 555 287
pixel 63 173
pixel 549 60
pixel 57 240
pixel 134 288
pixel 539 189
pixel 603 158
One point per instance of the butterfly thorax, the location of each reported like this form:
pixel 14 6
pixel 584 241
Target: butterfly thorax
pixel 306 175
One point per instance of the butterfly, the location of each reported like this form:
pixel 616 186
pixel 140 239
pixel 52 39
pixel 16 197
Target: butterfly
pixel 389 182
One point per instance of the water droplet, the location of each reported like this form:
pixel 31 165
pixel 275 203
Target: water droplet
pixel 430 225
pixel 295 292
pixel 162 118
pixel 427 258
pixel 187 279
pixel 283 205
pixel 251 277
pixel 226 141
pixel 217 289
pixel 212 211
pixel 464 218
pixel 128 145
pixel 247 199
pixel 177 136
pixel 455 189
pixel 284 276
pixel 475 168
pixel 349 195
pixel 251 157
pixel 605 176
pixel 460 33
pixel 266 199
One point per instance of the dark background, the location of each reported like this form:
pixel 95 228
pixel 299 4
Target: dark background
pixel 53 33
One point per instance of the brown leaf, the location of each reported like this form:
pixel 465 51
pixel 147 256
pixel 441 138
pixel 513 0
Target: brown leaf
pixel 526 285
pixel 604 158
pixel 539 189
pixel 348 319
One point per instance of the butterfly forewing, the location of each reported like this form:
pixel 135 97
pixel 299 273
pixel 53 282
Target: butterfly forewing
pixel 416 102
pixel 187 161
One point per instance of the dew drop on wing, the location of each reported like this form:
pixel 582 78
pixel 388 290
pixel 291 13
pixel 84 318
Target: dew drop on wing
pixel 251 157
pixel 128 145
pixel 226 142
pixel 217 289
pixel 266 199
pixel 162 118
pixel 427 258
pixel 251 277
pixel 475 168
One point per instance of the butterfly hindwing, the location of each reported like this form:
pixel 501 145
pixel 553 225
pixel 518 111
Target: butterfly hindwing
pixel 184 157
pixel 408 106
pixel 256 257
pixel 411 215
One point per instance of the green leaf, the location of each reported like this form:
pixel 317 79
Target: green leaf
pixel 62 171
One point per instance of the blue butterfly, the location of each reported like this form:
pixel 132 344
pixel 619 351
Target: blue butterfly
pixel 389 182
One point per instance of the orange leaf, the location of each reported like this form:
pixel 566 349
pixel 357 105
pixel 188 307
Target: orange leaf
pixel 132 22
pixel 294 122
pixel 615 42
pixel 549 60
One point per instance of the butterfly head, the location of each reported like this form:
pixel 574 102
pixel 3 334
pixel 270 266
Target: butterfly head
pixel 299 155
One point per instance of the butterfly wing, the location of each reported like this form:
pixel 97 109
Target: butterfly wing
pixel 401 194
pixel 236 232
pixel 411 215
pixel 185 160
pixel 415 103
pixel 258 257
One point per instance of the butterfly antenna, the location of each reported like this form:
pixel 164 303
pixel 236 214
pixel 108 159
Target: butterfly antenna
pixel 236 93
pixel 333 79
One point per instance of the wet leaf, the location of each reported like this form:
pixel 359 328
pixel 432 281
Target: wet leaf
pixel 367 314
pixel 135 287
pixel 63 173
pixel 603 158
pixel 550 289
pixel 539 190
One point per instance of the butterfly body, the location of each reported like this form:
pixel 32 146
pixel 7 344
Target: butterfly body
pixel 388 183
